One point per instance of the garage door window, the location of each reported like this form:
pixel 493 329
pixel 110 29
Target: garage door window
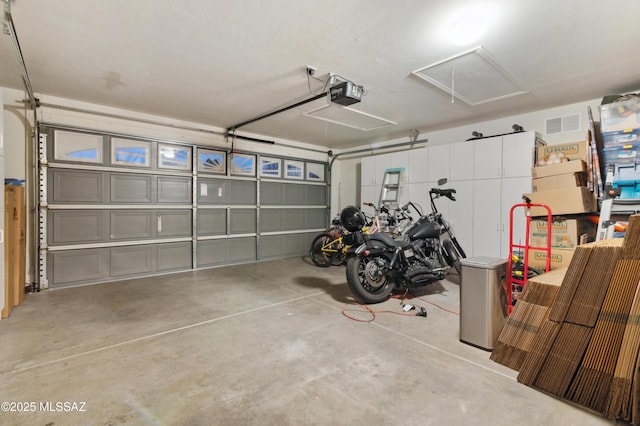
pixel 174 157
pixel 212 161
pixel 82 147
pixel 130 153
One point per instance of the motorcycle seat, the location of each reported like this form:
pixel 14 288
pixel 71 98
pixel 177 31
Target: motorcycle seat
pixel 387 240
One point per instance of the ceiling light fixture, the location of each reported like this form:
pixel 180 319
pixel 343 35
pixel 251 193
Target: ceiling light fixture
pixel 466 30
pixel 468 24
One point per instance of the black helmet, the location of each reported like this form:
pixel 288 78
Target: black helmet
pixel 352 218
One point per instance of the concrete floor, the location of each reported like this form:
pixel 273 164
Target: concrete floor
pixel 258 344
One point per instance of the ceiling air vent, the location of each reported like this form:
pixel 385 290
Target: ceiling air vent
pixel 474 77
pixel 565 124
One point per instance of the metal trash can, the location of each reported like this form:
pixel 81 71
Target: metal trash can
pixel 483 303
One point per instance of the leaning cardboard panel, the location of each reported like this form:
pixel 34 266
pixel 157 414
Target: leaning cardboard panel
pixel 516 339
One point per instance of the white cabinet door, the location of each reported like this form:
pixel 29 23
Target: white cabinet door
pixel 369 194
pixel 517 151
pixel 487 158
pixel 418 194
pixel 512 190
pixel 372 168
pixel 400 159
pixel 443 204
pixel 417 170
pixel 461 160
pixel 368 171
pixel 486 222
pixel 438 162
pixel 461 214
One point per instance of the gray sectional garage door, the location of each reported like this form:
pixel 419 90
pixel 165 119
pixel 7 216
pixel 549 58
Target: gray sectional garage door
pixel 114 206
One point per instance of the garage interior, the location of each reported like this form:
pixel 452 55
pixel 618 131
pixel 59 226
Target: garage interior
pixel 167 166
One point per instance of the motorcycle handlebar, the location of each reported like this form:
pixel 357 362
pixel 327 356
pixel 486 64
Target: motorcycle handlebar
pixel 444 193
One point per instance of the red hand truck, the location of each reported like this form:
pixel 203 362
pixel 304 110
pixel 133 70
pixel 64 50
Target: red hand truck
pixel 514 282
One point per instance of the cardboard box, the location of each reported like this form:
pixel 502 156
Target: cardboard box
pixel 572 151
pixel 564 201
pixel 565 181
pixel 560 258
pixel 618 116
pixel 559 169
pixel 565 233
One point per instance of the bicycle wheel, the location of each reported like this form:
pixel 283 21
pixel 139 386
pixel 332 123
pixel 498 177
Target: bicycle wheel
pixel 323 248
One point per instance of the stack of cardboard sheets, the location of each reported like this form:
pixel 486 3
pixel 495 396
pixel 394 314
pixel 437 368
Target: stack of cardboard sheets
pixel 531 311
pixel 586 351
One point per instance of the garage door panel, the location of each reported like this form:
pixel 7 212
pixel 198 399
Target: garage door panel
pixel 212 222
pixel 295 194
pixel 242 192
pixel 211 253
pixel 77 266
pixel 271 193
pixel 174 256
pixel 293 219
pixel 241 249
pixel 174 190
pixel 212 191
pixel 277 246
pixel 76 187
pixel 131 260
pixel 131 188
pixel 75 227
pixel 316 195
pixel 316 218
pixel 220 252
pixel 270 220
pixel 271 246
pixel 174 223
pixel 131 224
pixel 243 221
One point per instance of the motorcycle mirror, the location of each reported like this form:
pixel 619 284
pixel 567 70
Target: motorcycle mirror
pixel 442 181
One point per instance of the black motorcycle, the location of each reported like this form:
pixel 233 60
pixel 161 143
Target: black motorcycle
pixel 420 256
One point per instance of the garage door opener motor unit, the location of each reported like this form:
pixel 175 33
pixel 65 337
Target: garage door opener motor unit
pixel 346 93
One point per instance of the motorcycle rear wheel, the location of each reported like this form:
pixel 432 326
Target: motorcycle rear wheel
pixel 367 280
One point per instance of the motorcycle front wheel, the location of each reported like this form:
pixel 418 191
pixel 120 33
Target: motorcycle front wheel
pixel 368 280
pixel 452 256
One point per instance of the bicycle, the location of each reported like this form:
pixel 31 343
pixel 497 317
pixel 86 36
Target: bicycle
pixel 330 247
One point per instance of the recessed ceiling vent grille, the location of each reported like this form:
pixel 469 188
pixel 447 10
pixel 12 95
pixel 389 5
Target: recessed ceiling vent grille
pixel 564 124
pixel 474 77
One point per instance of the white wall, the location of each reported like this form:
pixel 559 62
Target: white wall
pixel 344 169
pixel 16 131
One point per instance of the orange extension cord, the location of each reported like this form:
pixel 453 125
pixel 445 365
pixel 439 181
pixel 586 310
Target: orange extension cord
pixel 373 312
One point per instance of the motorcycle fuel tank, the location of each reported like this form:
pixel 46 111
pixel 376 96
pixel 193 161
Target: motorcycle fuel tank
pixel 424 230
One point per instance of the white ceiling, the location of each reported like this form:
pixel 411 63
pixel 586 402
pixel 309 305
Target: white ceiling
pixel 221 62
